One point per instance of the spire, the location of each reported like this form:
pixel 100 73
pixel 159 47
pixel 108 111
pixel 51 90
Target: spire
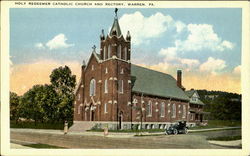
pixel 83 63
pixel 128 37
pixel 115 30
pixel 102 37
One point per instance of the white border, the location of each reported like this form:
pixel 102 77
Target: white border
pixel 5 132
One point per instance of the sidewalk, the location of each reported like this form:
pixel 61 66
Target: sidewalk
pixel 110 134
pixel 212 129
pixel 234 143
pixel 86 133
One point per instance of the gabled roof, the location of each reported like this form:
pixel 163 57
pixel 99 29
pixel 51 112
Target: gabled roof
pixel 115 28
pixel 190 93
pixel 98 56
pixel 198 102
pixel 156 83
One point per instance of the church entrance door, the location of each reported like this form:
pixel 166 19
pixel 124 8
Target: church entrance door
pixel 120 120
pixel 92 115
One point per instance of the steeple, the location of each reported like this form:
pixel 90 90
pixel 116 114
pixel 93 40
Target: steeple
pixel 114 45
pixel 115 30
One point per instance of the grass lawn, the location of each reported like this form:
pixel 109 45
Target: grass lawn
pixel 226 138
pixel 219 124
pixel 43 146
pixel 57 126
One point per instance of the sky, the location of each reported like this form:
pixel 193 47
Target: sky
pixel 204 43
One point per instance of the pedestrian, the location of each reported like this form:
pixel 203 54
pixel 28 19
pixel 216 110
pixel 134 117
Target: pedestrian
pixel 65 127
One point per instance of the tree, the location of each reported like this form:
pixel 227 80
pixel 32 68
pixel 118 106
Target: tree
pixel 48 99
pixel 50 103
pixel 31 105
pixel 63 81
pixel 14 106
pixel 64 84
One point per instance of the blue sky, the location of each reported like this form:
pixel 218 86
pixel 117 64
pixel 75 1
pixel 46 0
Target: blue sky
pixel 204 40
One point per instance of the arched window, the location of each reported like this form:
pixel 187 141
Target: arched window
pixel 173 111
pixel 79 97
pixel 184 111
pixel 119 51
pixel 106 86
pixel 105 108
pixel 109 51
pixel 120 86
pixel 162 109
pixel 92 87
pixel 122 71
pixel 106 70
pixel 149 108
pixel 104 53
pixel 79 109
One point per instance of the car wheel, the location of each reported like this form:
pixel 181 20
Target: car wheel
pixel 175 132
pixel 186 131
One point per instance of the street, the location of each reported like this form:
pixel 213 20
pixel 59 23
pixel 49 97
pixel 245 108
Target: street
pixel 181 141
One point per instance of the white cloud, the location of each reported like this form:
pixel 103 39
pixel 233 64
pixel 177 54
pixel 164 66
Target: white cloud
pixel 58 42
pixel 39 45
pixel 237 70
pixel 180 26
pixel 227 44
pixel 171 56
pixel 202 37
pixel 213 65
pixel 169 53
pixel 144 28
pixel 190 62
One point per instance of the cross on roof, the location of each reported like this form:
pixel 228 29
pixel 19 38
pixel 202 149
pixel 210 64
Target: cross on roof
pixel 116 10
pixel 94 47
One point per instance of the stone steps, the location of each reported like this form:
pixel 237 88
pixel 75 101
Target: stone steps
pixel 81 126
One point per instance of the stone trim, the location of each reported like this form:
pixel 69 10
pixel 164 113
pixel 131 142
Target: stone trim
pixel 125 122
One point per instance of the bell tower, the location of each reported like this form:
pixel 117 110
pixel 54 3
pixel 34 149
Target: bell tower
pixel 116 73
pixel 114 44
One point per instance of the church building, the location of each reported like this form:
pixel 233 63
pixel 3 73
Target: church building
pixel 115 93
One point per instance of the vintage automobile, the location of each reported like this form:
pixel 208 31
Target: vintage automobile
pixel 177 128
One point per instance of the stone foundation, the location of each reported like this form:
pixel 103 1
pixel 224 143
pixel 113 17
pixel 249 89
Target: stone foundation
pixel 135 125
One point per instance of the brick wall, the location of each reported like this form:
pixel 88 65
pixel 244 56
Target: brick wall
pixel 156 109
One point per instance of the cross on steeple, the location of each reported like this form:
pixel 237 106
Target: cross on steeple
pixel 94 47
pixel 116 10
pixel 115 30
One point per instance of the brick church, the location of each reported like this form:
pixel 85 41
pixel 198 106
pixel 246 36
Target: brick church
pixel 114 93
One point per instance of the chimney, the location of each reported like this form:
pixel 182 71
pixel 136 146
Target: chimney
pixel 179 73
